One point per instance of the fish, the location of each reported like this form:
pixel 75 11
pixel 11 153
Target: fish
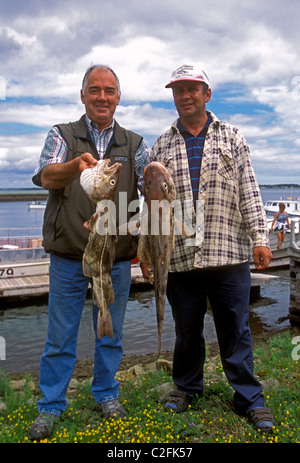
pixel 156 240
pixel 100 184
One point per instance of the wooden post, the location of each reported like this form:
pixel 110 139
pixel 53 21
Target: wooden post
pixel 294 252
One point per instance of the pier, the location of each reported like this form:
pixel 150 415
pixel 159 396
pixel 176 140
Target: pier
pixel 25 272
pixel 36 282
pixel 294 254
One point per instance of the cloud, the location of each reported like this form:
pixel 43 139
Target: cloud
pixel 249 49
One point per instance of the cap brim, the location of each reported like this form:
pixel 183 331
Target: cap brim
pixel 170 85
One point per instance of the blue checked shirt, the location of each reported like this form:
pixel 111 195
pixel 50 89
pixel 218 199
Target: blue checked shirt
pixel 56 149
pixel 194 149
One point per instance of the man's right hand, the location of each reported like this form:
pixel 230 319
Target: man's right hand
pixel 87 161
pixel 59 175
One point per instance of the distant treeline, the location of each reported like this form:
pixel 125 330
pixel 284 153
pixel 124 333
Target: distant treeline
pixel 8 197
pixel 281 185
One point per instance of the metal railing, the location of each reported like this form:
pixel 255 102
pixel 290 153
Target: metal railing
pixel 20 237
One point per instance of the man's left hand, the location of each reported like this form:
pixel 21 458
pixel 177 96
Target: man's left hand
pixel 262 257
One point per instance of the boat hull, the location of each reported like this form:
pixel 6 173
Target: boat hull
pixel 291 207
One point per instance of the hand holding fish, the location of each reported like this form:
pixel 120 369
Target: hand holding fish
pixel 87 161
pixel 58 175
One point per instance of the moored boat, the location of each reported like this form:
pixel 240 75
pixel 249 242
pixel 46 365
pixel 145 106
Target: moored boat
pixel 36 205
pixel 292 207
pixel 23 262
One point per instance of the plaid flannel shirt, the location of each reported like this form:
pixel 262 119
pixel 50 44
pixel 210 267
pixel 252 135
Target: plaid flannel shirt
pixel 230 218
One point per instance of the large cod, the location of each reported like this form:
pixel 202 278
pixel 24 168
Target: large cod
pixel 100 184
pixel 156 240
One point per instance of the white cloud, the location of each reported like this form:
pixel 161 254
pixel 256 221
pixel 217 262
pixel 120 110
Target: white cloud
pixel 249 48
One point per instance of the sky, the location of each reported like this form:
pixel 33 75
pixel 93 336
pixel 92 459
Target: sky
pixel 249 49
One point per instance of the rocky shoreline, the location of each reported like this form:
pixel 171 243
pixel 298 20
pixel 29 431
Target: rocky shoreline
pixel 84 368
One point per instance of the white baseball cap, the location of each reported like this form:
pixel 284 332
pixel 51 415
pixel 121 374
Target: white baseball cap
pixel 188 72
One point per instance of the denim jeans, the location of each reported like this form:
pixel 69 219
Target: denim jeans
pixel 228 291
pixel 67 295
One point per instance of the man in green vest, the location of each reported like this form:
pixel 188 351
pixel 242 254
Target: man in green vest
pixel 68 150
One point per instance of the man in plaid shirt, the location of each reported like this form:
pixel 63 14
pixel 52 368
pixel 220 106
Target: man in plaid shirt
pixel 216 185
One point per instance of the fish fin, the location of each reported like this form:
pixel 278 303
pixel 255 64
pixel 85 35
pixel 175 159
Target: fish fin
pixel 86 268
pixel 151 276
pixel 159 327
pixel 143 250
pixel 104 324
pixel 183 229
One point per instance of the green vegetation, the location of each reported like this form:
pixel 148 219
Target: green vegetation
pixel 209 419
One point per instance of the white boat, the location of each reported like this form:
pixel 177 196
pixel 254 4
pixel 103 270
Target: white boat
pixel 24 264
pixel 292 207
pixel 36 205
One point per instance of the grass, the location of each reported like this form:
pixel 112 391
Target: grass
pixel 209 419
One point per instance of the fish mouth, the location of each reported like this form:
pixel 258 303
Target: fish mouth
pixel 111 169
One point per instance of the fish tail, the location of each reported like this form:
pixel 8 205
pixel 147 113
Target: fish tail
pixel 160 308
pixel 104 324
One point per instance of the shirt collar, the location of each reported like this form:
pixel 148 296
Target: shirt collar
pixel 92 125
pixel 209 120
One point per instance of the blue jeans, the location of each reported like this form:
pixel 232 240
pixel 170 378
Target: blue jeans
pixel 67 295
pixel 228 291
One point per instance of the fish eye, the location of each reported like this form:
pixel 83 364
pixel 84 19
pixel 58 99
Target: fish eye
pixel 112 182
pixel 165 186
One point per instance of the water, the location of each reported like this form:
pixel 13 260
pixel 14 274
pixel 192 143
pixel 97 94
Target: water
pixel 269 194
pixel 24 326
pixel 17 217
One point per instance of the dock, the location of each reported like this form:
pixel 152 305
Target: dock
pixel 281 257
pixel 36 281
pixel 24 286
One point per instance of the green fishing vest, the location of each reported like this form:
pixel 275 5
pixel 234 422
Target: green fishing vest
pixel 68 208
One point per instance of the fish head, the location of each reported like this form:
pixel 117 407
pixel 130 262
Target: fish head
pixel 158 183
pixel 101 182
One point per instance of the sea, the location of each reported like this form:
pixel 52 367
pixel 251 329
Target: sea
pixel 23 324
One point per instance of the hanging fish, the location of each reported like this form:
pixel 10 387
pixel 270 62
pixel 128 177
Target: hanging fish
pixel 156 242
pixel 100 184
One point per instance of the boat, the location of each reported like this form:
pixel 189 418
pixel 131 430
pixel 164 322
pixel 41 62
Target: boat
pixel 24 264
pixel 292 207
pixel 36 205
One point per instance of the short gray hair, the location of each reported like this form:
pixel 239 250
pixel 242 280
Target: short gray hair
pixel 100 66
